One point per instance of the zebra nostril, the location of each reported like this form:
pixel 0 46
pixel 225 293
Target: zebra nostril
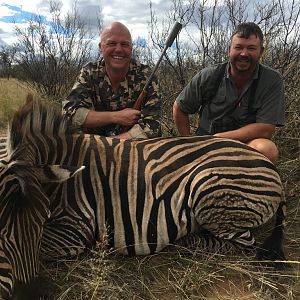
pixel 4 295
pixel 28 291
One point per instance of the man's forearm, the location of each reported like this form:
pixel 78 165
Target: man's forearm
pixel 98 119
pixel 181 120
pixel 249 132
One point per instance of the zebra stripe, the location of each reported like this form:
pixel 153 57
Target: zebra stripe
pixel 3 146
pixel 142 195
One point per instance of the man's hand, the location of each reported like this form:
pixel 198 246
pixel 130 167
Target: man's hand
pixel 127 117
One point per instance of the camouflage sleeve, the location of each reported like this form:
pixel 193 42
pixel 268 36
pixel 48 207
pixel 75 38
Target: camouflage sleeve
pixel 80 99
pixel 151 111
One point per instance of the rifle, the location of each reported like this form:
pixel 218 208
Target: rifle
pixel 138 104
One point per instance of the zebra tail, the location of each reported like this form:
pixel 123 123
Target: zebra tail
pixel 272 248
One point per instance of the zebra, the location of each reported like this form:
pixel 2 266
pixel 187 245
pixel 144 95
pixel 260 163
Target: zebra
pixel 62 191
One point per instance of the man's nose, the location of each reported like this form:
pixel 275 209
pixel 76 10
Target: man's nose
pixel 244 52
pixel 118 46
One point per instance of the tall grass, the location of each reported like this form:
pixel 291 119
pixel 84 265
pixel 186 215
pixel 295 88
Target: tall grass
pixel 12 94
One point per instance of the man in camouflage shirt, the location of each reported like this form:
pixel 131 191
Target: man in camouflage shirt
pixel 101 100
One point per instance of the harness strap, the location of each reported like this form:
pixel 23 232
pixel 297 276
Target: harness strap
pixel 215 81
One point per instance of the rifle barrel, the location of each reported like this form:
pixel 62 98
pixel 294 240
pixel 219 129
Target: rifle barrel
pixel 174 32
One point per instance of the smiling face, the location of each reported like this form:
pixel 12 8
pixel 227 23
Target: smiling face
pixel 244 54
pixel 116 47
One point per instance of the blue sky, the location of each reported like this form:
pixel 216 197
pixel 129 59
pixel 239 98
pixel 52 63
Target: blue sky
pixel 134 14
pixel 16 14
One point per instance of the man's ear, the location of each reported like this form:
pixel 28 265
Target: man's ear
pixel 56 173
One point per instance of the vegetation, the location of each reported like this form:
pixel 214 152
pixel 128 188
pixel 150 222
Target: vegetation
pixel 13 94
pixel 178 273
pixel 173 274
pixel 49 59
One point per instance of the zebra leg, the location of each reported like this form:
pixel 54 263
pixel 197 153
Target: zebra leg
pixel 207 241
pixel 61 239
pixel 272 248
pixel 223 238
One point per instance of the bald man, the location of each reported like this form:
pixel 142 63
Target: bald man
pixel 105 91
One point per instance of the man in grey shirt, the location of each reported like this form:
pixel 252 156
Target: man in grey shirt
pixel 241 99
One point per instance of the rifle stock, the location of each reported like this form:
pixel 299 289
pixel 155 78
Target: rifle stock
pixel 138 103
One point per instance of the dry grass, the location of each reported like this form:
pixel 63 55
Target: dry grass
pixel 13 94
pixel 172 274
pixel 175 273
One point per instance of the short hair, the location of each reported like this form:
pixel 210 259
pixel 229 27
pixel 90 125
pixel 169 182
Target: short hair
pixel 120 26
pixel 245 30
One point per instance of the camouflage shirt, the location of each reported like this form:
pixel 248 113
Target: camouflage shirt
pixel 93 91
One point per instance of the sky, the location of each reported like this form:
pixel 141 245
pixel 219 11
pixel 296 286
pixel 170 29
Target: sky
pixel 135 14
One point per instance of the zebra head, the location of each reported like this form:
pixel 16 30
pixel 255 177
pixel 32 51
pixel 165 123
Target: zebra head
pixel 24 208
pixel 24 205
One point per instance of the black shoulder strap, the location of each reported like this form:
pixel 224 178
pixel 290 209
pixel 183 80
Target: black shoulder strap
pixel 211 85
pixel 253 90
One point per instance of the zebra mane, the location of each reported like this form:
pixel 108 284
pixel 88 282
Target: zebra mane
pixel 34 119
pixel 4 144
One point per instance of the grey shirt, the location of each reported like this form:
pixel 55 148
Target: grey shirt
pixel 228 110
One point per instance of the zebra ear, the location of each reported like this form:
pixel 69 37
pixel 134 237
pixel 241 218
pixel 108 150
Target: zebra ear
pixel 56 173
